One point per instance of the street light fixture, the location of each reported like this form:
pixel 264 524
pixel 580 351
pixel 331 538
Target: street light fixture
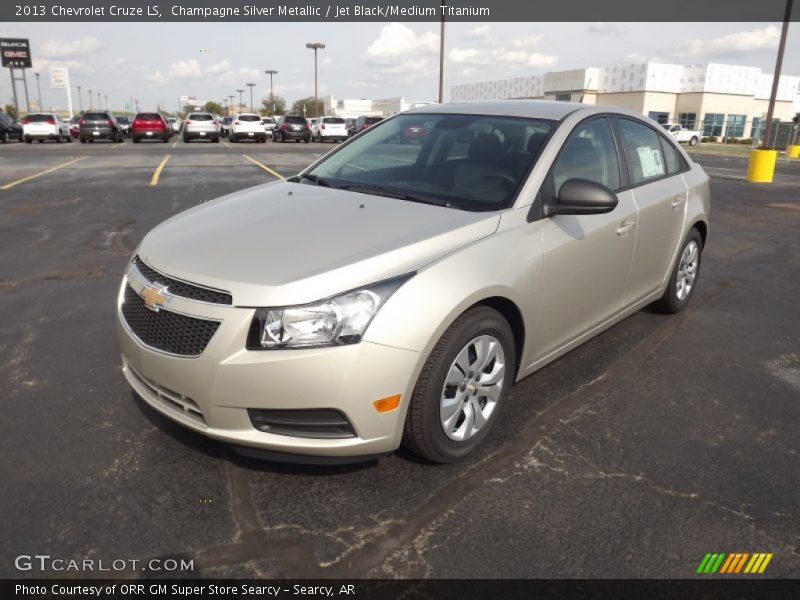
pixel 271 72
pixel 315 46
pixel 241 104
pixel 80 100
pixel 251 86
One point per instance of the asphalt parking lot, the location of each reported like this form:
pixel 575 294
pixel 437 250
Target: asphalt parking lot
pixel 633 456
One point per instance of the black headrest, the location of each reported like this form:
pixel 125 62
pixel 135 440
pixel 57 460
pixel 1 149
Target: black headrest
pixel 536 142
pixel 486 148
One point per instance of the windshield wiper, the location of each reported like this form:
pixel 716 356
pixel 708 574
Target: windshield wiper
pixel 382 190
pixel 316 179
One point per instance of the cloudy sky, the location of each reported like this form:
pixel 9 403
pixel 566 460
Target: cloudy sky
pixel 160 61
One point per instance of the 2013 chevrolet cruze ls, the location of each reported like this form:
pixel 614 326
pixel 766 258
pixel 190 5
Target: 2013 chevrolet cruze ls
pixel 395 290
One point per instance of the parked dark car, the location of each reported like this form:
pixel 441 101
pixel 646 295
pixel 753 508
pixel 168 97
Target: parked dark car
pixel 351 126
pixel 9 129
pixel 363 123
pixel 99 125
pixel 225 126
pixel 150 126
pixel 292 127
pixel 124 125
pixel 75 126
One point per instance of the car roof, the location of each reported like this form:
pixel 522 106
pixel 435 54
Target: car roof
pixel 535 109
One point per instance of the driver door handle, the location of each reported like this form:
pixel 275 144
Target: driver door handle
pixel 679 201
pixel 625 227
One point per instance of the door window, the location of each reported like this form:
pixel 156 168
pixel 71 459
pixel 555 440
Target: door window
pixel 589 153
pixel 643 151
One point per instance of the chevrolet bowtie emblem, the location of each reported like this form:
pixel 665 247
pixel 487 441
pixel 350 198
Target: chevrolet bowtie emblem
pixel 153 297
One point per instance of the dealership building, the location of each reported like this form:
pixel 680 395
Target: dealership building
pixel 356 107
pixel 720 99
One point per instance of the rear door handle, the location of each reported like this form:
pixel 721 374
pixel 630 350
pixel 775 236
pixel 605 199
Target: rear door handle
pixel 678 201
pixel 625 228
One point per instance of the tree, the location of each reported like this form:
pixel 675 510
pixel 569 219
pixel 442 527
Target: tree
pixel 188 108
pixel 308 103
pixel 11 111
pixel 213 107
pixel 280 105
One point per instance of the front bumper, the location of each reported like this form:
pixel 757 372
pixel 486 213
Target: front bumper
pixel 212 392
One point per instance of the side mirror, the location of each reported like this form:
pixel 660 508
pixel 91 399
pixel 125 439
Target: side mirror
pixel 584 197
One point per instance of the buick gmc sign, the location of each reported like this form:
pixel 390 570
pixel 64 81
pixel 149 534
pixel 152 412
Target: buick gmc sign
pixel 16 53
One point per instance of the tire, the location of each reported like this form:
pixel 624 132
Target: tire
pixel 215 140
pixel 424 431
pixel 185 139
pixel 693 141
pixel 6 137
pixel 83 140
pixel 135 140
pixel 28 140
pixel 676 296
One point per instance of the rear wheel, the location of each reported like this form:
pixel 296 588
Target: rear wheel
pixel 6 137
pixel 683 279
pixel 461 387
pixel 693 141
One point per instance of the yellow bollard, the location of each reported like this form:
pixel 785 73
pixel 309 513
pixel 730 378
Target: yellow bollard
pixel 793 151
pixel 762 166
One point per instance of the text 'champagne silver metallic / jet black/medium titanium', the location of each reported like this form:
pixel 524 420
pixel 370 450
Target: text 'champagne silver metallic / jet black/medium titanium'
pixel 397 288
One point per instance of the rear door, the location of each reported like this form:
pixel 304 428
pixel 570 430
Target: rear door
pixel 660 193
pixel 587 258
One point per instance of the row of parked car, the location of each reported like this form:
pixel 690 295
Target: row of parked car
pixel 104 125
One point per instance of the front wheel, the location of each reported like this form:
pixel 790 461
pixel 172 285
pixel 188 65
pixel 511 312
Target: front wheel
pixel 693 141
pixel 461 387
pixel 683 279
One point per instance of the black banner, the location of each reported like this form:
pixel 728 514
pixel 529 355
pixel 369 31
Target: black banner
pixel 398 10
pixel 481 589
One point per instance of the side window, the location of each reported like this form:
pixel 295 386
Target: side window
pixel 672 159
pixel 643 150
pixel 589 153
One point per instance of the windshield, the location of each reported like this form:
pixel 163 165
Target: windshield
pixel 470 162
pixel 200 117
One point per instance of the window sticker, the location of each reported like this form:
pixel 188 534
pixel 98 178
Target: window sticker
pixel 650 159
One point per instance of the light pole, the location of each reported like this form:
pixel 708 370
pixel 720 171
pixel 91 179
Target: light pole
pixel 441 55
pixel 107 102
pixel 231 97
pixel 315 46
pixel 39 87
pixel 271 72
pixel 241 104
pixel 251 86
pixel 99 104
pixel 80 100
pixel 90 99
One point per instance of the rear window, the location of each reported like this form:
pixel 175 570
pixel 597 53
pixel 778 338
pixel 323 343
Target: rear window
pixel 123 120
pixel 148 117
pixel 250 118
pixel 39 118
pixel 200 117
pixel 296 120
pixel 269 121
pixel 227 119
pixel 334 120
pixel 373 120
pixel 96 116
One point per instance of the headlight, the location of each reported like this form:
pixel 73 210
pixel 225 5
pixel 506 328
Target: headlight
pixel 342 319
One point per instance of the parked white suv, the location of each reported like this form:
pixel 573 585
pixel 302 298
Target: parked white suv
pixel 329 128
pixel 200 126
pixel 248 126
pixel 269 126
pixel 45 126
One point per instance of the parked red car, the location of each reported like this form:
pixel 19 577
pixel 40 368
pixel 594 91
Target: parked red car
pixel 150 126
pixel 75 127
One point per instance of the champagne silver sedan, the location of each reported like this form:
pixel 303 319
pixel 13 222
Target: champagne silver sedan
pixel 394 291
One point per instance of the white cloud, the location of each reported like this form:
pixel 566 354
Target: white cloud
pixel 119 61
pixel 765 38
pixel 517 56
pixel 328 60
pixel 186 69
pixel 601 28
pixel 67 49
pixel 218 68
pixel 637 57
pixel 397 40
pixel 44 64
pixel 156 77
pixel 527 42
pixel 479 32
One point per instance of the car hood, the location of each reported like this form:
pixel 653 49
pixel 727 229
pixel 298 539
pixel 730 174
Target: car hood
pixel 289 243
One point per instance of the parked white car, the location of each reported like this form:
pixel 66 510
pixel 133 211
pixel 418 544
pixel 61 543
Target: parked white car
pixel 200 126
pixel 45 126
pixel 329 128
pixel 248 126
pixel 269 126
pixel 684 136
